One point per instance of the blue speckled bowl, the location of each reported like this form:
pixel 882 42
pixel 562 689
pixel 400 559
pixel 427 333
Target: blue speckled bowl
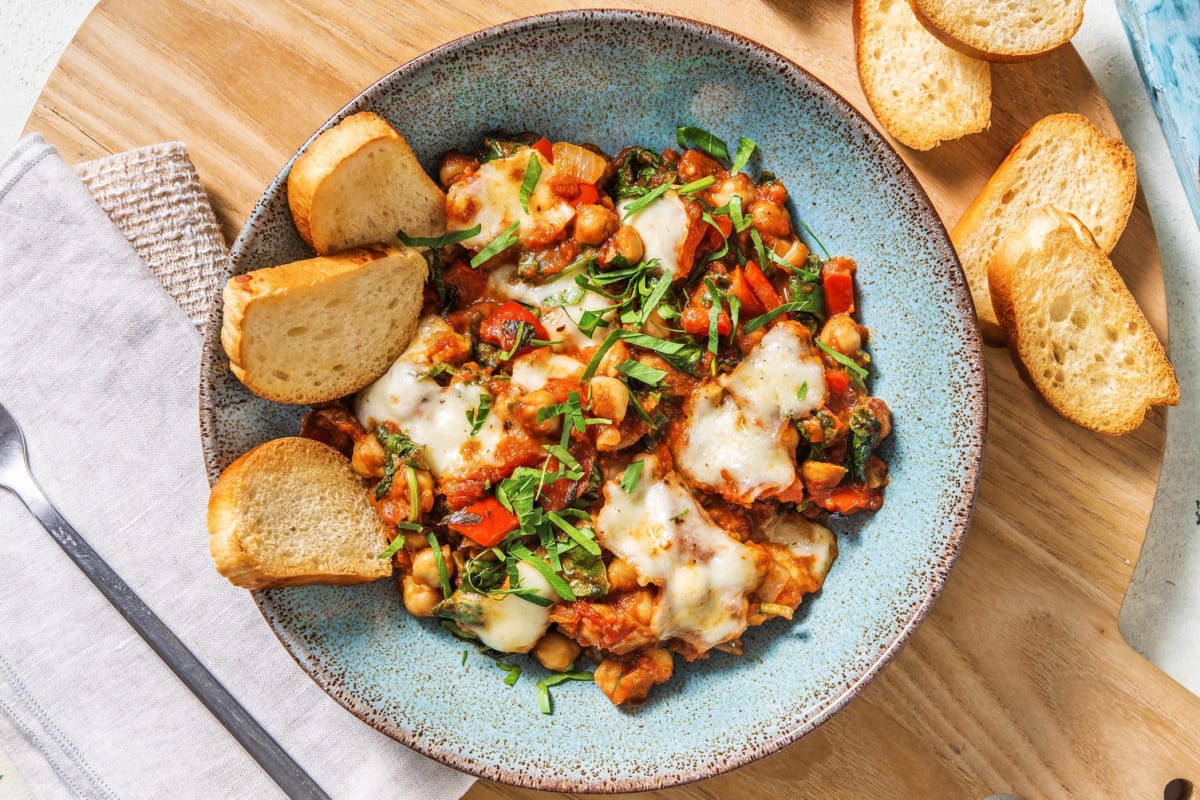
pixel 632 78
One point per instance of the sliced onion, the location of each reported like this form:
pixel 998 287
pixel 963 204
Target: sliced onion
pixel 578 164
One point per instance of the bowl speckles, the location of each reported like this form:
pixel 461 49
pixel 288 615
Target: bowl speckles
pixel 632 78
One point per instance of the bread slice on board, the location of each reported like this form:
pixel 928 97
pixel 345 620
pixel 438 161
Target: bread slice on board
pixel 292 512
pixel 1074 326
pixel 315 330
pixel 1064 161
pixel 921 91
pixel 359 183
pixel 1001 30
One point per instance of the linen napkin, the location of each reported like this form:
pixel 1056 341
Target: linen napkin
pixel 100 366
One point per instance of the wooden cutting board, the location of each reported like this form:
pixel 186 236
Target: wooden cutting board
pixel 1019 680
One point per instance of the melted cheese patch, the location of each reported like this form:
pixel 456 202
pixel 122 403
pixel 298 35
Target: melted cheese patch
pixel 663 226
pixel 704 574
pixel 511 624
pixel 431 415
pixel 723 448
pixel 782 377
pixel 561 301
pixel 735 436
pixel 531 371
pixel 805 539
pixel 491 198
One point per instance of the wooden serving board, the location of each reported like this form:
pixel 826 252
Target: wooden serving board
pixel 1019 680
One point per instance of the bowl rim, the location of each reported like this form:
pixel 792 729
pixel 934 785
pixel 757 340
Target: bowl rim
pixel 974 396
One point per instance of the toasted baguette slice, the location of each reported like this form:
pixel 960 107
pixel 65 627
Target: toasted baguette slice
pixel 921 91
pixel 292 512
pixel 1001 30
pixel 316 330
pixel 358 183
pixel 1064 161
pixel 1075 327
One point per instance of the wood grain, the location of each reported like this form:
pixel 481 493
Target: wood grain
pixel 1018 681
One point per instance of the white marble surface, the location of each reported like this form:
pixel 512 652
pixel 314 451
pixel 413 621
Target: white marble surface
pixel 1162 611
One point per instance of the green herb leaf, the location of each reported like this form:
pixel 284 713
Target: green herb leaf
pixel 864 436
pixel 443 574
pixel 523 553
pixel 477 416
pixel 802 392
pixel 398 450
pixel 701 139
pixel 414 494
pixel 631 476
pixel 513 670
pixel 545 705
pixel 453 237
pixel 496 246
pixel 772 315
pixel 645 200
pixel 585 540
pixel 651 376
pixel 394 547
pixel 697 185
pixel 532 172
pixel 853 366
pixel 809 230
pixel 745 149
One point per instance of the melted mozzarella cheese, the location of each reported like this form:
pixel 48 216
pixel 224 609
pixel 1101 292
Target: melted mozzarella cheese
pixel 432 415
pixel 727 450
pixel 806 539
pixel 782 377
pixel 531 371
pixel 663 226
pixel 491 198
pixel 704 574
pixel 511 624
pixel 561 301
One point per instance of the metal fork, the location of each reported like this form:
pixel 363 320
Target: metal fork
pixel 16 477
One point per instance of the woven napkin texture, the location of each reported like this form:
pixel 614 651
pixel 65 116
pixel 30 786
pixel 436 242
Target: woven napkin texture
pixel 99 366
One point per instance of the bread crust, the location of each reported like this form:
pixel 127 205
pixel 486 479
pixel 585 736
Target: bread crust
pixel 239 510
pixel 973 221
pixel 954 37
pixel 398 272
pixel 421 212
pixel 1055 246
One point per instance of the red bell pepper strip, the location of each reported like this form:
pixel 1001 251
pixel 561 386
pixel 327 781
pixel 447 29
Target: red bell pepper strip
pixel 694 320
pixel 544 147
pixel 494 522
pixel 838 380
pixel 763 289
pixel 739 287
pixel 588 195
pixel 502 326
pixel 838 282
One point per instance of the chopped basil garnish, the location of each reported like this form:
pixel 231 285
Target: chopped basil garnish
pixel 698 185
pixel 701 139
pixel 432 256
pixel 545 705
pixel 398 451
pixel 496 246
pixel 631 476
pixel 393 548
pixel 523 553
pixel 532 173
pixel 850 364
pixel 651 376
pixel 802 392
pixel 477 416
pixel 443 574
pixel 645 200
pixel 513 670
pixel 809 231
pixel 772 315
pixel 745 149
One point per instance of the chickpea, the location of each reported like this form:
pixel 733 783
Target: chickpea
pixel 455 166
pixel 368 457
pixel 528 408
pixel 556 652
pixel 419 599
pixel 621 576
pixel 842 334
pixel 610 398
pixel 608 440
pixel 594 224
pixel 616 354
pixel 643 609
pixel 629 244
pixel 424 566
pixel 770 219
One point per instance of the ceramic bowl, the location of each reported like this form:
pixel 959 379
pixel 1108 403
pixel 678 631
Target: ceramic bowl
pixel 407 677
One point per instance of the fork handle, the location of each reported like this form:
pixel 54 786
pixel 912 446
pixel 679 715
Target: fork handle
pixel 274 760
